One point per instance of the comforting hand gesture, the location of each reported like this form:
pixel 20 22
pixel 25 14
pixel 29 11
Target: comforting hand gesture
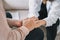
pixel 31 23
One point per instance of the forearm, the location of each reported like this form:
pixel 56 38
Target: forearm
pixel 53 15
pixel 49 21
pixel 18 34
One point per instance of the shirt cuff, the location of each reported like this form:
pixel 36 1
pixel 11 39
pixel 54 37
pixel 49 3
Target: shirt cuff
pixel 25 30
pixel 47 22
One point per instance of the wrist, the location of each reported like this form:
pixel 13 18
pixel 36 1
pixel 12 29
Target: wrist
pixel 29 27
pixel 25 29
pixel 43 22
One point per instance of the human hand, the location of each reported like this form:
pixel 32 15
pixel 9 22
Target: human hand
pixel 34 18
pixel 41 22
pixel 19 23
pixel 31 24
pixel 16 23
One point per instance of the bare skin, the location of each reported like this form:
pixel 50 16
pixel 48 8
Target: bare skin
pixel 16 23
pixel 44 1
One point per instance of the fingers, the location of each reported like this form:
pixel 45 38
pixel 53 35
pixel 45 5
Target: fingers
pixel 25 21
pixel 31 23
pixel 34 18
pixel 37 24
pixel 40 23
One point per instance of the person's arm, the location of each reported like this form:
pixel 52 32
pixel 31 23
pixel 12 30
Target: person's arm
pixel 53 15
pixel 34 7
pixel 7 34
pixel 15 23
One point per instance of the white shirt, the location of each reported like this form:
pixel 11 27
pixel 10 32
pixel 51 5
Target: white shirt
pixel 53 13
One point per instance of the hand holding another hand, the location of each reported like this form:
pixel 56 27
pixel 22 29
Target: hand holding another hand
pixel 32 23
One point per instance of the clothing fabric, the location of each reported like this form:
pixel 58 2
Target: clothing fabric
pixel 34 7
pixel 52 31
pixel 8 15
pixel 53 9
pixel 43 12
pixel 38 34
pixel 6 33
